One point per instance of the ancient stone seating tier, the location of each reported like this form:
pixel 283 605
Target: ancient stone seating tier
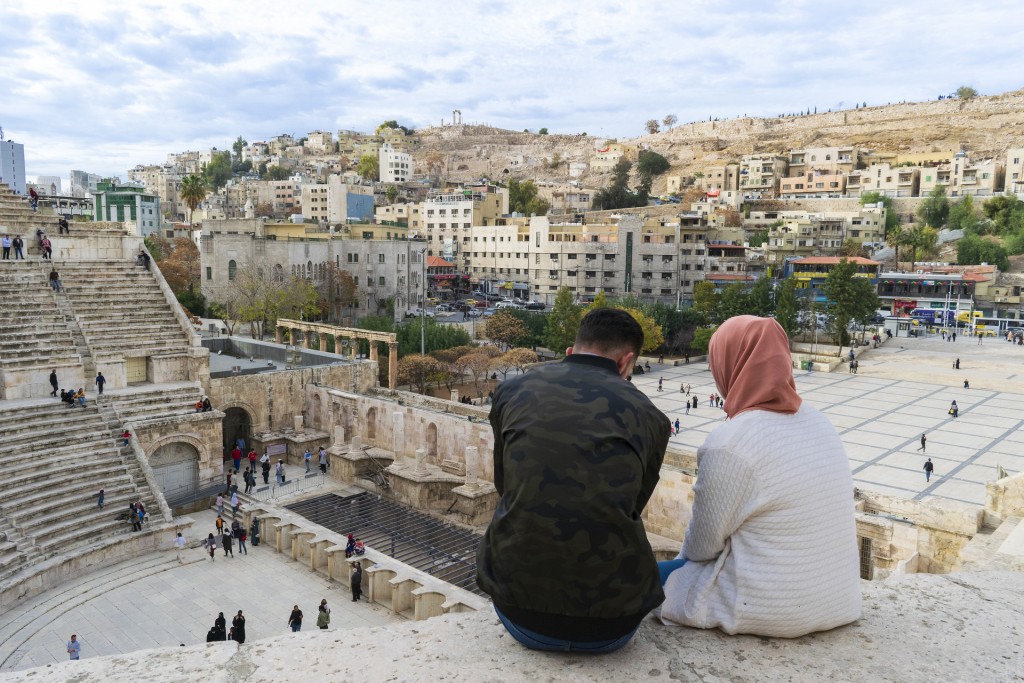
pixel 121 309
pixel 169 401
pixel 17 216
pixel 55 460
pixel 34 336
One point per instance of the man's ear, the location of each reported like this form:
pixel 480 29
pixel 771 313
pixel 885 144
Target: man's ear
pixel 625 364
pixel 568 351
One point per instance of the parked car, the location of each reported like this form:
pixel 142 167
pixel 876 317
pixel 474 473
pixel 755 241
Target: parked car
pixel 506 304
pixel 535 306
pixel 431 300
pixel 415 313
pixel 473 313
pixel 443 308
pixel 488 312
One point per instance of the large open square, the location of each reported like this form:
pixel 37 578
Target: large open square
pixel 902 390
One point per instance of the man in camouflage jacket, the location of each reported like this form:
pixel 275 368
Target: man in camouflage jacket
pixel 577 452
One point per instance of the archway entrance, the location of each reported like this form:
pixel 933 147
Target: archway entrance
pixel 237 425
pixel 176 470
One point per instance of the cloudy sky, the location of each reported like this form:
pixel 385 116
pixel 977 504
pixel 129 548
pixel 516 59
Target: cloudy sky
pixel 102 86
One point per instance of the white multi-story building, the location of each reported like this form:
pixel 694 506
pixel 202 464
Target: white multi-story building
pixel 337 201
pixel 83 183
pixel 12 165
pixel 1014 181
pixel 395 165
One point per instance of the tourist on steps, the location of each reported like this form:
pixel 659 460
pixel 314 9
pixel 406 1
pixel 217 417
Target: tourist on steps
pixel 770 547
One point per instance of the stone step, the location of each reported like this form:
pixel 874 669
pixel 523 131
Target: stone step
pixel 62 516
pixel 115 488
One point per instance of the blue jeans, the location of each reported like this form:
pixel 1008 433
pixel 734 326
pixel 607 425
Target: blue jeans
pixel 668 566
pixel 296 628
pixel 536 641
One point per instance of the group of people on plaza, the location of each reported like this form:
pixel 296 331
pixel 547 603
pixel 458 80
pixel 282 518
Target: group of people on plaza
pixel 218 631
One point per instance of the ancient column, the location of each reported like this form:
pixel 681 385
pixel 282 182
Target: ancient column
pixel 307 339
pixel 339 435
pixel 278 337
pixel 373 351
pixel 356 445
pixel 297 419
pixel 323 341
pixel 421 461
pixel 398 434
pixel 392 365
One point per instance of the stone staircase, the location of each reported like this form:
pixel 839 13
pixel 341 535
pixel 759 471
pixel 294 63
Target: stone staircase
pixel 55 459
pixel 18 218
pixel 121 309
pixel 35 334
pixel 140 407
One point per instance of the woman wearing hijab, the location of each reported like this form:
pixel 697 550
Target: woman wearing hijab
pixel 770 548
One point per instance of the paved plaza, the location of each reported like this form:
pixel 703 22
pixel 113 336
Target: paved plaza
pixel 902 389
pixel 155 602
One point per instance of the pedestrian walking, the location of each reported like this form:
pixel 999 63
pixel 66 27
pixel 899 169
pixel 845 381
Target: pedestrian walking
pixel 659 383
pixel 323 618
pixel 236 458
pixel 74 648
pixel 219 524
pixel 179 546
pixel 280 472
pixel 677 425
pixel 695 402
pixel 266 471
pixel 856 366
pixel 954 409
pixel 53 382
pixel 924 441
pixel 62 226
pixel 238 624
pixel 99 499
pixel 928 469
pixel 323 458
pixel 956 364
pixel 687 407
pixel 249 483
pixel 252 459
pixel 943 335
pixel 356 582
pixel 307 457
pixel 954 336
pixel 242 538
pixel 967 385
pixel 234 503
pixel 979 338
pixel 100 381
pixel 295 619
pixel 220 505
pixel 226 542
pixel 211 545
pixel 47 248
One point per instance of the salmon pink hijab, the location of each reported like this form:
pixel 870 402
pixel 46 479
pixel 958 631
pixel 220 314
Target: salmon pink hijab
pixel 750 361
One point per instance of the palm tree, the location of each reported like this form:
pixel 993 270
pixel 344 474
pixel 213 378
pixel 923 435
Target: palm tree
pixel 193 191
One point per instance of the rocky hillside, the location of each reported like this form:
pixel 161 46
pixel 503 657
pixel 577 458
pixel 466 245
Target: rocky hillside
pixel 984 126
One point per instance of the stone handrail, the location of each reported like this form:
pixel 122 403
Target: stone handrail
pixel 172 301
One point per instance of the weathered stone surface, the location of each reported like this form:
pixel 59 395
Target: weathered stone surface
pixel 919 628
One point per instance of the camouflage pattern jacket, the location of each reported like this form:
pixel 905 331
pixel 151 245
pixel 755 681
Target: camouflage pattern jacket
pixel 577 454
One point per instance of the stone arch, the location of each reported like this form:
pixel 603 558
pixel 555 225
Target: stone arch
pixel 431 444
pixel 278 273
pixel 371 424
pixel 238 423
pixel 309 269
pixel 175 464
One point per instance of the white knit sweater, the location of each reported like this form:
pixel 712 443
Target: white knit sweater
pixel 771 547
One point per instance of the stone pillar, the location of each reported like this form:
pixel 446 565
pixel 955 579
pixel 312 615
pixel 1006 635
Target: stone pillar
pixel 373 351
pixel 339 435
pixel 298 423
pixel 278 337
pixel 398 434
pixel 472 465
pixel 307 339
pixel 356 445
pixel 392 365
pixel 323 341
pixel 421 461
pixel 455 396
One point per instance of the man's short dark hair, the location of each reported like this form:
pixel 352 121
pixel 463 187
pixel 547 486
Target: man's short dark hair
pixel 610 329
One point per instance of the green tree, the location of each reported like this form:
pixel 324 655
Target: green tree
pixel 542 131
pixel 964 216
pixel 972 250
pixel 923 241
pixel 934 210
pixel 966 92
pixel 600 301
pixel 1006 213
pixel 238 145
pixel 734 301
pixel 417 370
pixel 649 165
pixel 506 330
pixel 787 307
pixel 563 322
pixel 702 339
pixel 759 238
pixel 193 192
pixel 522 198
pixel 534 323
pixel 848 298
pixel 652 126
pixel 706 300
pixel 653 336
pixel 759 298
pixel 892 219
pixel 669 121
pixel 369 167
pixel 391 193
pixel 276 172
pixel 618 195
pixel 436 335
pixel 218 172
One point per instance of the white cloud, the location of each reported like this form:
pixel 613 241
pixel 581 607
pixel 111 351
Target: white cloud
pixel 103 86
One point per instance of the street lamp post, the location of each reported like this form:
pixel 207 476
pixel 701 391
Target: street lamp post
pixel 423 295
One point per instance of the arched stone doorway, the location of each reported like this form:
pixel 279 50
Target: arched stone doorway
pixel 237 425
pixel 176 469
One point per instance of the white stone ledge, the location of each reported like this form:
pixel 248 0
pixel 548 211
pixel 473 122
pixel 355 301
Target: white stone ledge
pixel 954 627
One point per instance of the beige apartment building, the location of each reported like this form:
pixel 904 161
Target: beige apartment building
pixel 975 178
pixel 829 160
pixel 1014 180
pixel 280 194
pixel 605 157
pixel 760 174
pixel 886 180
pixel 319 142
pixel 803 233
pixel 816 184
pixel 722 177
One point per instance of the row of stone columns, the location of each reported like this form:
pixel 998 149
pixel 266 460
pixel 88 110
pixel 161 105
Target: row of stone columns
pixel 349 352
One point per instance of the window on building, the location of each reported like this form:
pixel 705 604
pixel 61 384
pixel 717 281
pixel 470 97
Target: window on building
pixel 232 270
pixel 209 273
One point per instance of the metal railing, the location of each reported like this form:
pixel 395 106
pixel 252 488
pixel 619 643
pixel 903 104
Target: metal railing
pixel 307 481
